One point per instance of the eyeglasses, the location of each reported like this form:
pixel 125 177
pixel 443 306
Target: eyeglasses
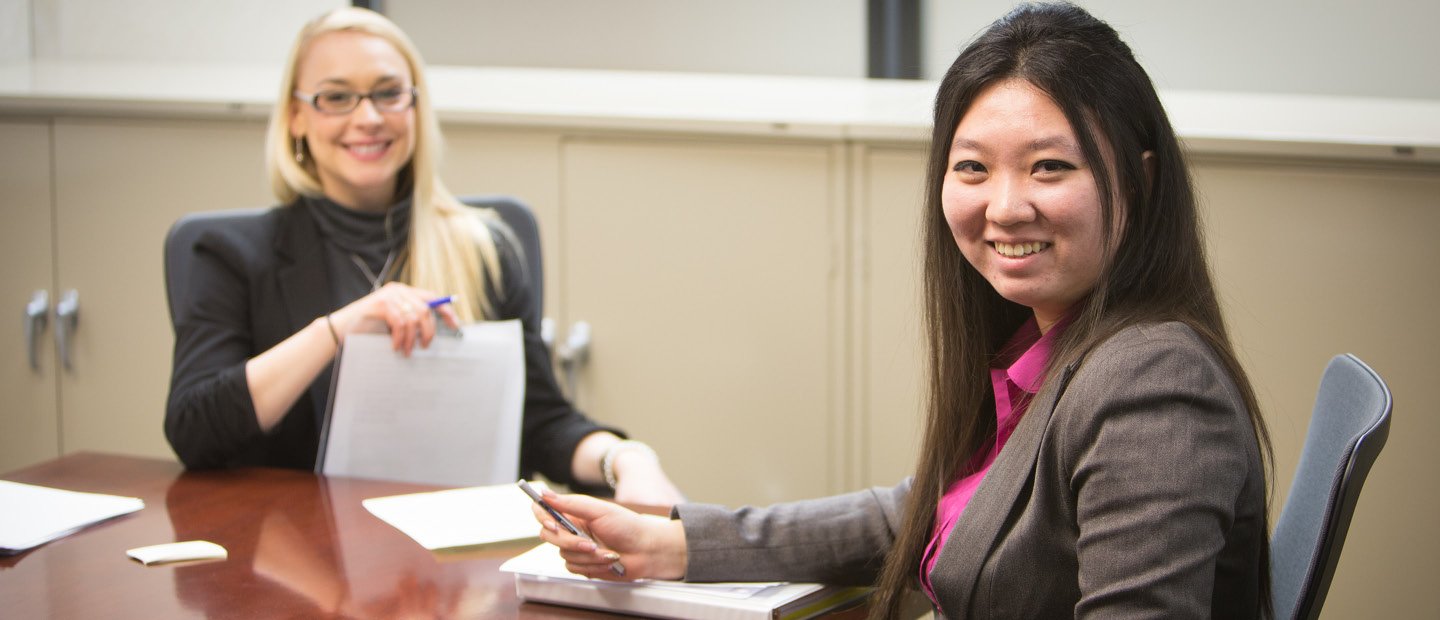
pixel 390 99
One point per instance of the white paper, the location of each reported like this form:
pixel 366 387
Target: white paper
pixel 178 552
pixel 33 515
pixel 460 517
pixel 449 414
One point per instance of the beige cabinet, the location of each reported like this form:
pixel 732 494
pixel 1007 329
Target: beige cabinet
pixel 520 163
pixel 115 187
pixel 119 187
pixel 888 363
pixel 712 274
pixel 29 416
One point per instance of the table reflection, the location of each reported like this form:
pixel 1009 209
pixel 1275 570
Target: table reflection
pixel 300 546
pixel 307 548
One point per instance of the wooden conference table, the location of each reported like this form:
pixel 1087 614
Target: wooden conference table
pixel 300 546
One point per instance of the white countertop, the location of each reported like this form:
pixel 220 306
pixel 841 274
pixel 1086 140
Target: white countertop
pixel 822 108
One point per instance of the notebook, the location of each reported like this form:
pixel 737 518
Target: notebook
pixel 540 576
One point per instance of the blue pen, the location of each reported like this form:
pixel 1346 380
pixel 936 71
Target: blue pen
pixel 441 327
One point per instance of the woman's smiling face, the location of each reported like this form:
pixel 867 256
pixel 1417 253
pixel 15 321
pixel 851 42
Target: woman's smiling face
pixel 1021 200
pixel 358 155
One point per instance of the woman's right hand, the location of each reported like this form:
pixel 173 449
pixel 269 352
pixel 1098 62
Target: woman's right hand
pixel 649 547
pixel 402 308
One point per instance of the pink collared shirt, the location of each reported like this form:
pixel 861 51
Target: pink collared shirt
pixel 1015 380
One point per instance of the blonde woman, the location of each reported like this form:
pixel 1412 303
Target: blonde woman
pixel 366 232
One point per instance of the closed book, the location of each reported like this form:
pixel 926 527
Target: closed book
pixel 540 577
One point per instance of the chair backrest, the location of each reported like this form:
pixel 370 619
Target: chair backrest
pixel 179 243
pixel 521 221
pixel 1348 428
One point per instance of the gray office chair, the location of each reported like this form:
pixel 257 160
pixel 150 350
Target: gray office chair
pixel 179 249
pixel 1348 428
pixel 517 216
pixel 573 352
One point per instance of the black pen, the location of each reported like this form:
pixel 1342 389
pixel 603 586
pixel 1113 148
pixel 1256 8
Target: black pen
pixel 615 567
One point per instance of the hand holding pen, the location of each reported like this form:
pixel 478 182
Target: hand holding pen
pixel 615 565
pixel 410 314
pixel 625 545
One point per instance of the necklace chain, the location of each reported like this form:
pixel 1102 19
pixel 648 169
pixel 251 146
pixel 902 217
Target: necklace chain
pixel 376 279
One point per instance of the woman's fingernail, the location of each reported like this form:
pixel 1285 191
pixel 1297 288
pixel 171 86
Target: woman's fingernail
pixel 612 556
pixel 587 546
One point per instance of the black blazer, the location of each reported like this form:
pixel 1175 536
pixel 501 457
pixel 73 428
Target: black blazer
pixel 256 282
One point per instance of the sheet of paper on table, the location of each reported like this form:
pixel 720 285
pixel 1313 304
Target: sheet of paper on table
pixel 34 515
pixel 460 518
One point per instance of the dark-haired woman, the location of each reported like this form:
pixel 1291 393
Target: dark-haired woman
pixel 1093 447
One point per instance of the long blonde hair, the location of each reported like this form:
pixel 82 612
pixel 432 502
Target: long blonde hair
pixel 449 242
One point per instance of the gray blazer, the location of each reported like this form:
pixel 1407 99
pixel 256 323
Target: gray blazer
pixel 1133 487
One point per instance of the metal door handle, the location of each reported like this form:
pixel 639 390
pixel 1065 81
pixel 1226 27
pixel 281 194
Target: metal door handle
pixel 573 354
pixel 67 317
pixel 547 333
pixel 37 312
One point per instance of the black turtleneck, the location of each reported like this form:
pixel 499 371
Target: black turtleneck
pixel 373 238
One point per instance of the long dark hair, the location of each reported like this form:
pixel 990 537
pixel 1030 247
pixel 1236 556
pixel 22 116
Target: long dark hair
pixel 1156 268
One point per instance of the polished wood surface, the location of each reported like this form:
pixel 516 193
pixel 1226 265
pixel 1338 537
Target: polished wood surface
pixel 300 546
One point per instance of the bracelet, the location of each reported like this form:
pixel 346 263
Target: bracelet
pixel 331 325
pixel 607 464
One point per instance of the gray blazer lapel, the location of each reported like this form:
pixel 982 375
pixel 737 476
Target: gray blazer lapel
pixel 304 285
pixel 957 570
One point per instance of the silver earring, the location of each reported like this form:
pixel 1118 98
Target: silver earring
pixel 299 150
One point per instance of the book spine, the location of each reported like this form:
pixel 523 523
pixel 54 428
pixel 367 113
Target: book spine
pixel 570 593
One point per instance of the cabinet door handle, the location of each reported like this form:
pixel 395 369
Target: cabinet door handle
pixel 573 354
pixel 547 333
pixel 67 317
pixel 36 314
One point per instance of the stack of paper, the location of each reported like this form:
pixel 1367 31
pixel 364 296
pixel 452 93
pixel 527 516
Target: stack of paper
pixel 540 576
pixel 460 518
pixel 34 515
